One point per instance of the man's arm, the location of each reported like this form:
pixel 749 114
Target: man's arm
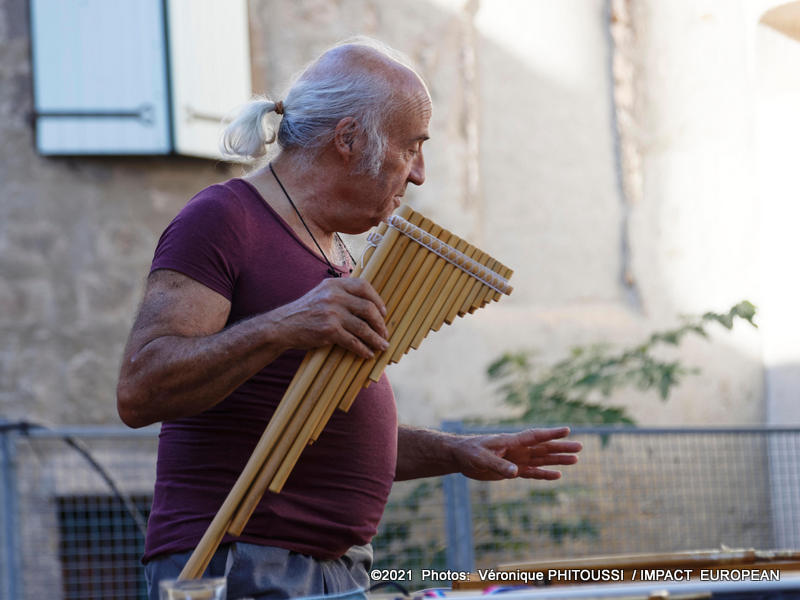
pixel 180 358
pixel 427 453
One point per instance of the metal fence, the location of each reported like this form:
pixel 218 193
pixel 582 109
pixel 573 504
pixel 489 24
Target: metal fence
pixel 71 498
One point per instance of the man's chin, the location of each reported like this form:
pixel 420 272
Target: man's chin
pixel 390 212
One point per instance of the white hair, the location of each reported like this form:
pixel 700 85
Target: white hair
pixel 319 98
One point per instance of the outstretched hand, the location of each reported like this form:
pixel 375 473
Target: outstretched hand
pixel 509 455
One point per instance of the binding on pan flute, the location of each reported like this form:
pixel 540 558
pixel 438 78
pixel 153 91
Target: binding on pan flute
pixel 426 277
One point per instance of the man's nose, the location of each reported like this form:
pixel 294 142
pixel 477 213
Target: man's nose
pixel 417 173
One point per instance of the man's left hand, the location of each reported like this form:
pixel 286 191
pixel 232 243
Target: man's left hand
pixel 509 455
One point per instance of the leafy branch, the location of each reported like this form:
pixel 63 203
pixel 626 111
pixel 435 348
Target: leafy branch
pixel 564 392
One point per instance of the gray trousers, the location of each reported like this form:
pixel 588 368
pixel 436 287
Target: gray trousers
pixel 266 572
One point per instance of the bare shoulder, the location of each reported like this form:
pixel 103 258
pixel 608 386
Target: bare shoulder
pixel 176 304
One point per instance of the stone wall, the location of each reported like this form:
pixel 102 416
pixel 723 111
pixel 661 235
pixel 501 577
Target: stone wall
pixel 522 162
pixel 76 236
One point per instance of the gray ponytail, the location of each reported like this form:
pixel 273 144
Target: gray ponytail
pixel 247 135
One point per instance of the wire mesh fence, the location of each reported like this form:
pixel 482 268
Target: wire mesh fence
pixel 73 501
pixel 77 531
pixel 648 491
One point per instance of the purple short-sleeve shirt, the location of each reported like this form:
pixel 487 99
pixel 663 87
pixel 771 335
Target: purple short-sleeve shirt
pixel 230 240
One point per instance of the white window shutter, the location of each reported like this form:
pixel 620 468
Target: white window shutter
pixel 209 48
pixel 100 82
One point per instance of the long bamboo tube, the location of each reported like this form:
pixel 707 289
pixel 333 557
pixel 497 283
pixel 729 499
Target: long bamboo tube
pixel 198 561
pixel 304 405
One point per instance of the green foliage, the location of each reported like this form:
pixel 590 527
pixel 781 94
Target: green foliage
pixel 513 525
pixel 567 391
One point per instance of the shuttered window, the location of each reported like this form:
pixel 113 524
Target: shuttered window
pixel 136 76
pixel 210 58
pixel 100 80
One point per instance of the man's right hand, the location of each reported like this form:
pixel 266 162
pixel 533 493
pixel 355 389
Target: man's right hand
pixel 345 312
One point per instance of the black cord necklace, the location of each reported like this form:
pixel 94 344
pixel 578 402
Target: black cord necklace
pixel 331 270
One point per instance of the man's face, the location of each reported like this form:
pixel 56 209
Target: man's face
pixel 403 163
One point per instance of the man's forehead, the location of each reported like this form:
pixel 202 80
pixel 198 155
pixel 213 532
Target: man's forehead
pixel 414 102
pixel 410 123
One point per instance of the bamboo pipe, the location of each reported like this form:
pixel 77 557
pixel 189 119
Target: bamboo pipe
pixel 460 290
pixel 399 296
pixel 304 405
pixel 400 299
pixel 401 263
pixel 198 561
pixel 432 288
pixel 451 273
pixel 466 291
pixel 413 298
pixel 478 289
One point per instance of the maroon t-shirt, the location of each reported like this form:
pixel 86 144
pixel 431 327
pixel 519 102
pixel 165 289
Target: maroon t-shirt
pixel 230 240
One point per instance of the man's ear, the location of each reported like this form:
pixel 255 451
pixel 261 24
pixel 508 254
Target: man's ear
pixel 346 136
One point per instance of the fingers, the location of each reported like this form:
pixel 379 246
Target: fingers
pixel 530 469
pixel 537 473
pixel 363 318
pixel 369 315
pixel 345 312
pixel 540 441
pixel 359 287
pixel 503 468
pixel 530 437
pixel 534 470
pixel 557 448
pixel 562 453
pixel 360 339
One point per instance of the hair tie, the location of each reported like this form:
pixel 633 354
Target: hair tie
pixel 278 107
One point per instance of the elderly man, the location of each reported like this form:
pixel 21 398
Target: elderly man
pixel 247 277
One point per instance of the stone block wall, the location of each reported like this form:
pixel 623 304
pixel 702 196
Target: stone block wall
pixel 522 162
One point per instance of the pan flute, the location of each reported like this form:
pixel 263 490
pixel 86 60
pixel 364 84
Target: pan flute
pixel 426 277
